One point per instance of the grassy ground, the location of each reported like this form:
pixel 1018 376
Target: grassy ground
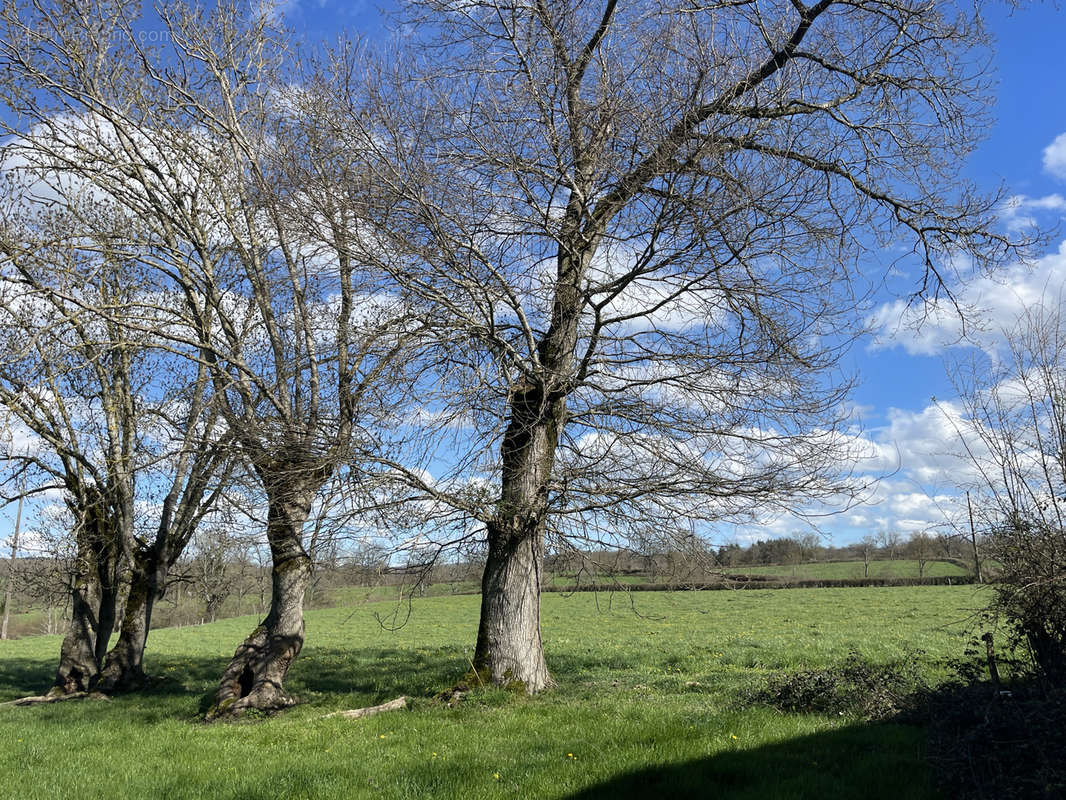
pixel 648 706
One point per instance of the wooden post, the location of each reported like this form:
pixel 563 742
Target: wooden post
pixel 973 540
pixel 11 565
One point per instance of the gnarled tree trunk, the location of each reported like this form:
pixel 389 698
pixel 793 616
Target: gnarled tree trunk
pixel 124 667
pixel 509 649
pixel 78 666
pixel 94 595
pixel 254 676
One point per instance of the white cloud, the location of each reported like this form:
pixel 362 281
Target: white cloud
pixel 988 305
pixel 1055 157
pixel 1020 211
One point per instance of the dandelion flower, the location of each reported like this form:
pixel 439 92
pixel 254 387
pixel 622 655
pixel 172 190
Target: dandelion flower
pixel 496 775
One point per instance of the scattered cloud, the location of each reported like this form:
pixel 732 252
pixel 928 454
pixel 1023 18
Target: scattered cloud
pixel 1022 212
pixel 983 308
pixel 1055 157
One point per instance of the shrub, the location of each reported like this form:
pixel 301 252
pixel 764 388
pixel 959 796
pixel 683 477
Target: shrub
pixel 1030 594
pixel 855 688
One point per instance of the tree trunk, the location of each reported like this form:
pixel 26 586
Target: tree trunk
pixel 509 649
pixel 254 676
pixel 123 670
pixel 107 616
pixel 95 586
pixel 78 666
pixel 124 667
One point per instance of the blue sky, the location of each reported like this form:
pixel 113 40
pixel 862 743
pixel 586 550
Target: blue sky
pixel 901 371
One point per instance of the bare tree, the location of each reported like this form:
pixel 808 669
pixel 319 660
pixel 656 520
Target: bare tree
pixel 867 547
pixel 642 231
pixel 213 560
pixel 890 542
pixel 1011 421
pixel 922 548
pixel 113 421
pixel 248 203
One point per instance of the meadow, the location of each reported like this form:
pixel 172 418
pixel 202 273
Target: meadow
pixel 650 703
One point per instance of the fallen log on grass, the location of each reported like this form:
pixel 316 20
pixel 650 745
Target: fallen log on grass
pixel 369 711
pixel 36 700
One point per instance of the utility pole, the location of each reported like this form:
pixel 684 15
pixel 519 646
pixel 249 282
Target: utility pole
pixel 973 540
pixel 11 564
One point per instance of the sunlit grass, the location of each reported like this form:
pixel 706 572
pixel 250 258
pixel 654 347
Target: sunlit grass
pixel 648 705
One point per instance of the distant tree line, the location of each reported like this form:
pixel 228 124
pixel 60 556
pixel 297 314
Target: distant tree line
pixel 921 547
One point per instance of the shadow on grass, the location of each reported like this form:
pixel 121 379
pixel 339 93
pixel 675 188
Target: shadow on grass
pixel 861 761
pixel 20 677
pixel 330 678
pixel 864 762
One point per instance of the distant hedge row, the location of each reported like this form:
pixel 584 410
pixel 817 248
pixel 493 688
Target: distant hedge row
pixel 763 582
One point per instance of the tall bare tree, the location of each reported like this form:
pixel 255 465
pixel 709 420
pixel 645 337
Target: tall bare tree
pixel 115 421
pixel 643 229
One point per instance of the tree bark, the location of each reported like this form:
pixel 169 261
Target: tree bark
pixel 509 649
pixel 107 615
pixel 95 586
pixel 94 592
pixel 123 670
pixel 255 675
pixel 78 666
pixel 124 666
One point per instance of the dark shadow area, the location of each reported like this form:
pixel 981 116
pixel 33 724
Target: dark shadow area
pixel 866 762
pixel 999 741
pixel 862 762
pixel 377 672
pixel 319 675
pixel 20 677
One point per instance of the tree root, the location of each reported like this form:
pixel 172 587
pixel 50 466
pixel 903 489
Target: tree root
pixel 454 696
pixel 369 711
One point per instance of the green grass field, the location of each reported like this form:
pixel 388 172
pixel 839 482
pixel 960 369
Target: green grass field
pixel 648 705
pixel 836 570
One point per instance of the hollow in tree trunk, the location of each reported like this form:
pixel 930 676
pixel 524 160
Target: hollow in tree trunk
pixel 255 675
